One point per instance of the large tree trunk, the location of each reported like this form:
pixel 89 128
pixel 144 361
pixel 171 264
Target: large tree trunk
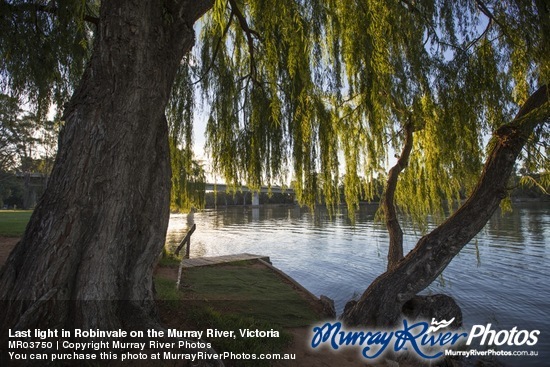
pixel 93 239
pixel 381 303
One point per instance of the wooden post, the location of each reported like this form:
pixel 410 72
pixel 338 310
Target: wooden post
pixel 187 239
pixel 188 246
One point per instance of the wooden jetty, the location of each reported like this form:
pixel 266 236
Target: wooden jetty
pixel 214 260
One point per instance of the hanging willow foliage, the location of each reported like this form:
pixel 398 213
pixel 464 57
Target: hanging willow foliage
pixel 322 87
pixel 188 175
pixel 317 91
pixel 44 48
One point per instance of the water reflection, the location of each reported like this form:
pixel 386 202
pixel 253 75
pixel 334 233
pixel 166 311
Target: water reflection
pixel 501 277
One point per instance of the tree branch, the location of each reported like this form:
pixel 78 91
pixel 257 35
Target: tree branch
pixel 483 8
pixel 250 34
pixel 216 49
pixel 395 251
pixel 488 13
pixel 483 34
pixel 433 32
pixel 435 251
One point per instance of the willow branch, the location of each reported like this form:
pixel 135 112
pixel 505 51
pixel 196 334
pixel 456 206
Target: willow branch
pixel 395 251
pixel 483 34
pixel 487 12
pixel 216 49
pixel 434 251
pixel 250 34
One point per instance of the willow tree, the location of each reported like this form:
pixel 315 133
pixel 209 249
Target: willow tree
pixel 188 175
pixel 290 84
pixel 312 82
pixel 95 235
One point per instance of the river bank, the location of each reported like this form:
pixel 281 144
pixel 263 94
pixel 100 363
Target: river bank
pixel 177 316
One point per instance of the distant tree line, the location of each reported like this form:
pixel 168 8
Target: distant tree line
pixel 28 144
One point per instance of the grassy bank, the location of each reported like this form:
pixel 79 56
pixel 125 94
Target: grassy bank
pixel 249 289
pixel 231 297
pixel 13 222
pixel 235 296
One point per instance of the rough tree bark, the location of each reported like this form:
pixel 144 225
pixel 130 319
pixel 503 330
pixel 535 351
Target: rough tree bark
pixel 93 238
pixel 382 302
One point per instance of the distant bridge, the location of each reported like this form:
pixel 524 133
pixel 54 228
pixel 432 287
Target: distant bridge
pixel 34 184
pixel 244 189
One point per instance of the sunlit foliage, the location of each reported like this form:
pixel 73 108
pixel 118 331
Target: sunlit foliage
pixel 319 91
pixel 325 88
pixel 188 175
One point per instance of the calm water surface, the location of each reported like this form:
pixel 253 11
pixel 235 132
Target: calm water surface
pixel 500 277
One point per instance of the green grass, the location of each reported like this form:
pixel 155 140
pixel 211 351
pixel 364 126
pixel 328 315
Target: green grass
pixel 169 260
pixel 183 313
pixel 250 292
pixel 13 222
pixel 166 290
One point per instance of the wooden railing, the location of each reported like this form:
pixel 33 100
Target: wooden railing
pixel 186 239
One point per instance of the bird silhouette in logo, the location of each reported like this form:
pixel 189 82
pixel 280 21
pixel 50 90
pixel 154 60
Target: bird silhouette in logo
pixel 439 325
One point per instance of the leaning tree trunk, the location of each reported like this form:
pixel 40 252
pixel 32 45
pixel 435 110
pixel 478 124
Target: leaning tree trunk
pixel 381 303
pixel 93 239
pixel 395 249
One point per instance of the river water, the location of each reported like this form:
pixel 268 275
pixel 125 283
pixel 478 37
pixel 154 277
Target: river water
pixel 501 277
